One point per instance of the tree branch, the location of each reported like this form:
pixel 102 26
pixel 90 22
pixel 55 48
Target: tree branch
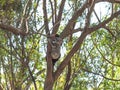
pixel 104 56
pixel 79 42
pixel 45 18
pixel 12 29
pixel 105 25
pixel 102 24
pixel 58 20
pixel 100 75
pixel 68 77
pixel 24 12
pixel 32 77
pixel 70 54
pixel 111 1
pixel 55 9
pixel 78 13
pixel 52 12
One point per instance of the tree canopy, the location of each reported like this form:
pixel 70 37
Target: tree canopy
pixel 90 51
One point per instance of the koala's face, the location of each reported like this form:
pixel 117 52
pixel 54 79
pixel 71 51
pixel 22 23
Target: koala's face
pixel 55 40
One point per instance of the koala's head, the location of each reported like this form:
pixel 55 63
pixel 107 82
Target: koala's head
pixel 56 40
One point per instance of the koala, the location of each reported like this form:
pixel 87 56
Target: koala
pixel 55 42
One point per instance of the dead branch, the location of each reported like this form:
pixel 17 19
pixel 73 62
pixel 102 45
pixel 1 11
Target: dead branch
pixel 24 12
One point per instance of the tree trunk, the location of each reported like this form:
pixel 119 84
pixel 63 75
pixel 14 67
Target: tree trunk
pixel 49 81
pixel 48 84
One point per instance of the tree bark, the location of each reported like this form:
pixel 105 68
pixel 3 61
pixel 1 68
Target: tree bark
pixel 68 76
pixel 49 81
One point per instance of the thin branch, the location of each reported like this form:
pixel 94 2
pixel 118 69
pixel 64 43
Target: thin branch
pixel 27 78
pixel 56 24
pixel 32 77
pixel 90 9
pixel 104 26
pixel 78 13
pixel 52 11
pixel 100 75
pixel 34 9
pixel 55 9
pixel 6 74
pixel 96 15
pixel 55 29
pixel 61 10
pixel 24 11
pixel 26 25
pixel 111 1
pixel 45 18
pixel 104 56
pixel 68 76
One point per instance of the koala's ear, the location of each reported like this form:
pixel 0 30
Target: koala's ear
pixel 57 35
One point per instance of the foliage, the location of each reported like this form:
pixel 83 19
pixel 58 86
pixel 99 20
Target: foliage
pixel 90 51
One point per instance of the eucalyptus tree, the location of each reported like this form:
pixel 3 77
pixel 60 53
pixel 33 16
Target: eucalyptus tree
pixel 87 39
